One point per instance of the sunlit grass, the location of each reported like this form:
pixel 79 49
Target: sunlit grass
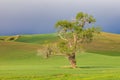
pixel 99 60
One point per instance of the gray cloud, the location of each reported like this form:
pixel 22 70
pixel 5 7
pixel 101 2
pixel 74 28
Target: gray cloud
pixel 39 16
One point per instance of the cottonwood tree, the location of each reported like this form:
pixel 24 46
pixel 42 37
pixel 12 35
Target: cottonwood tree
pixel 74 33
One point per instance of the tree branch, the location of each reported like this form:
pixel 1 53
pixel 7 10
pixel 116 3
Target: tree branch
pixel 62 37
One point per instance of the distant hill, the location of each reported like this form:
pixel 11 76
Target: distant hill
pixel 26 45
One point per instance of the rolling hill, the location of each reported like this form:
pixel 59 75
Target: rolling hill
pixel 19 59
pixel 105 43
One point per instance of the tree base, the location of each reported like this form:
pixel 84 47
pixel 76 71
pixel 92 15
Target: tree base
pixel 72 60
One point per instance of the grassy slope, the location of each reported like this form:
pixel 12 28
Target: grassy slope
pixel 38 38
pixel 19 60
pixel 105 43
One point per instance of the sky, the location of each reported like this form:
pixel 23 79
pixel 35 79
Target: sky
pixel 39 16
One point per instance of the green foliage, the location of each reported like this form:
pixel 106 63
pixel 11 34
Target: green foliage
pixel 63 48
pixel 73 33
pixel 83 18
pixel 64 24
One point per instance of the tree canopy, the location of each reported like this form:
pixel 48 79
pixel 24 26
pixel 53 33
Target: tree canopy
pixel 75 32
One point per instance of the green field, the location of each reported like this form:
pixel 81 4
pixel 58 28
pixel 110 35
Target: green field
pixel 99 60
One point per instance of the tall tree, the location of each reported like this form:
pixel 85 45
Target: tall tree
pixel 74 33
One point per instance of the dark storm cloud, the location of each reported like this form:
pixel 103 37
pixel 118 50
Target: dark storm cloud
pixel 39 16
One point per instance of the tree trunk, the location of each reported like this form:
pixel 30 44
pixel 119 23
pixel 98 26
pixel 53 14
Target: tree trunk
pixel 71 58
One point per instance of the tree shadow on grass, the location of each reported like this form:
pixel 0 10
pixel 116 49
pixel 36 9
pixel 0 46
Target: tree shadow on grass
pixel 107 53
pixel 89 67
pixel 93 67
